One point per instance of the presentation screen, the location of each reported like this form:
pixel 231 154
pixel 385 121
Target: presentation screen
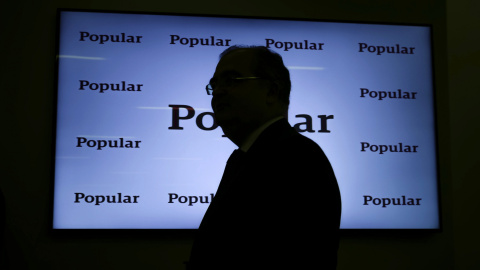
pixel 137 146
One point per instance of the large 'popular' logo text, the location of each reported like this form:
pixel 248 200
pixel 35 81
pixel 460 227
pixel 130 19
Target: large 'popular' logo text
pixel 306 126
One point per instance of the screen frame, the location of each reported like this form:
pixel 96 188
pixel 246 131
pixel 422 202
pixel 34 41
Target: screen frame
pixel 62 232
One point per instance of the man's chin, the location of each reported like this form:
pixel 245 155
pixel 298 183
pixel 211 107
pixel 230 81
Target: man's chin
pixel 226 123
pixel 231 131
pixel 221 118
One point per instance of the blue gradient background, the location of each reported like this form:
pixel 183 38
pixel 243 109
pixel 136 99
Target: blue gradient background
pixel 191 161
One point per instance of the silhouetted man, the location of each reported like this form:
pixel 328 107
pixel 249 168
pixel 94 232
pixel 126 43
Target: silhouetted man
pixel 278 203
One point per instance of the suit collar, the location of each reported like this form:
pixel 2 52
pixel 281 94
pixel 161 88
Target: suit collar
pixel 272 136
pixel 256 133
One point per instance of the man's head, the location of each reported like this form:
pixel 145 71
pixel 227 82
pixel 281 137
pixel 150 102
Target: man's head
pixel 251 86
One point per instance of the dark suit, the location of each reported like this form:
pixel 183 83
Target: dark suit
pixel 277 206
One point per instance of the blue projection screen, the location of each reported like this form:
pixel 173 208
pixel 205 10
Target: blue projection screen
pixel 137 146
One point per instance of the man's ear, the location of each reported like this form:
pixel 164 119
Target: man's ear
pixel 273 94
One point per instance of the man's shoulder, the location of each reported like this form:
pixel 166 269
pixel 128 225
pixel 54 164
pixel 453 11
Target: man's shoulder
pixel 298 140
pixel 281 144
pixel 283 136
